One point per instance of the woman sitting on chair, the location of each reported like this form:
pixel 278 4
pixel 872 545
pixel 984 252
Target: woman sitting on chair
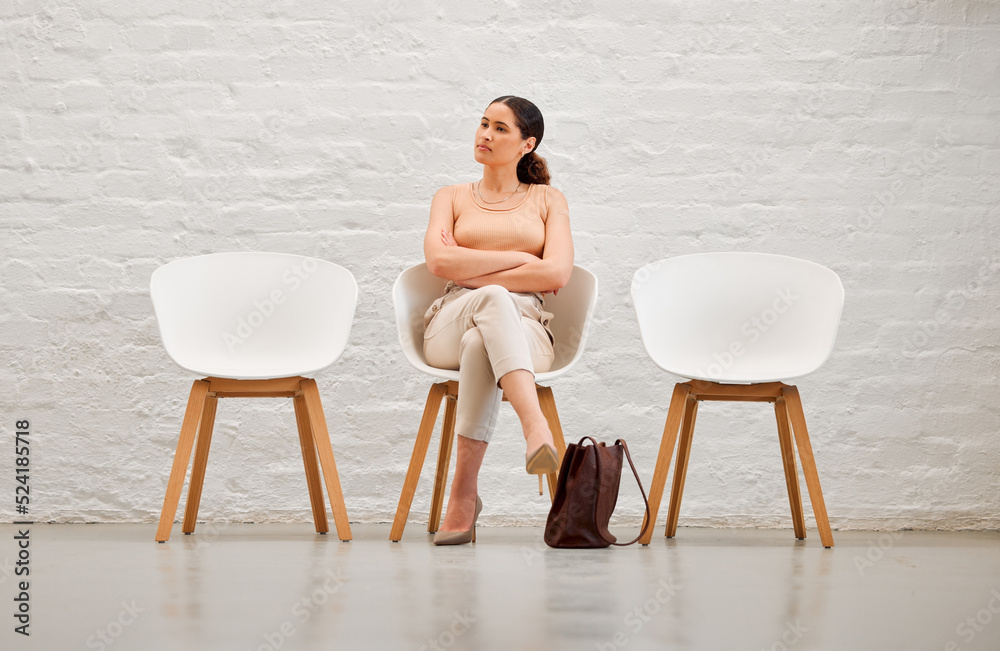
pixel 502 242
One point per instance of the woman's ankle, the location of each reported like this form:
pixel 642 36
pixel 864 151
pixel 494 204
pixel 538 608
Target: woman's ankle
pixel 537 436
pixel 461 507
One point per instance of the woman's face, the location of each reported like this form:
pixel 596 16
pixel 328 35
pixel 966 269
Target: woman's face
pixel 498 140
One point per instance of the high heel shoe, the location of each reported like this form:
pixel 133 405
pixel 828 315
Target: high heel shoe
pixel 543 461
pixel 460 537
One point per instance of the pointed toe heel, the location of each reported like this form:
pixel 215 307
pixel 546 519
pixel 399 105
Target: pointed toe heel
pixel 460 537
pixel 543 461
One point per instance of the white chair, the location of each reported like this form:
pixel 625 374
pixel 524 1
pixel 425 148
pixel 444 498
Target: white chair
pixel 254 324
pixel 738 324
pixel 414 291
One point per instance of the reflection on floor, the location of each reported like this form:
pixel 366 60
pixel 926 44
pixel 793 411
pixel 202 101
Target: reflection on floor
pixel 262 587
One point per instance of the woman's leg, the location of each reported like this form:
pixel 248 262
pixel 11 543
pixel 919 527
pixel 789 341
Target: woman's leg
pixel 492 338
pixel 465 484
pixel 519 387
pixel 478 404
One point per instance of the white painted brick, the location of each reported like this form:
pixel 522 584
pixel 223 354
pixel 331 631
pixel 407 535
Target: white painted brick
pixel 189 37
pixel 55 66
pixel 11 124
pixel 984 13
pixel 893 39
pixel 147 38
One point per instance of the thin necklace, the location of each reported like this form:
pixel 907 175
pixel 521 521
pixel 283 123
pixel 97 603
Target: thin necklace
pixel 502 200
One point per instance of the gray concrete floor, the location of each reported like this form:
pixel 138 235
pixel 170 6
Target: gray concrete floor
pixel 259 587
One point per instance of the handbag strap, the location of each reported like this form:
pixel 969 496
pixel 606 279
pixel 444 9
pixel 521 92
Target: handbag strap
pixel 597 460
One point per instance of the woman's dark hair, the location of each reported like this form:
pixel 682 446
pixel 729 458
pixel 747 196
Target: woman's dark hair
pixel 531 168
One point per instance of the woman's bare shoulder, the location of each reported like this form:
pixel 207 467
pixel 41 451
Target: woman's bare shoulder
pixel 450 190
pixel 552 194
pixel 554 198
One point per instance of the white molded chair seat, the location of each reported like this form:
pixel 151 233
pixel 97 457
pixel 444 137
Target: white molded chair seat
pixel 414 291
pixel 255 324
pixel 737 324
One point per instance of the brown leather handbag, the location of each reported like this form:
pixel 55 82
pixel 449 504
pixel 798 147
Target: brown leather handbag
pixel 586 496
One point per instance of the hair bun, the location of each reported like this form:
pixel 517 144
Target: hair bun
pixel 533 169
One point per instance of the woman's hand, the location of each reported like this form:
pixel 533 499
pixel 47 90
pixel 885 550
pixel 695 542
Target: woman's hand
pixel 448 239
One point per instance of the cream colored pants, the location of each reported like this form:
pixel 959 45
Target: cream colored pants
pixel 485 333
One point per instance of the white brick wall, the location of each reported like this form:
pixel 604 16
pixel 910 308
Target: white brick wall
pixel 861 135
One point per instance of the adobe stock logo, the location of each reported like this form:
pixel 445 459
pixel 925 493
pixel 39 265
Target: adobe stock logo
pixel 751 329
pixel 264 308
pixel 976 623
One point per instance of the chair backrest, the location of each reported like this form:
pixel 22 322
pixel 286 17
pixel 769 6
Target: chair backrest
pixel 572 308
pixel 737 317
pixel 253 315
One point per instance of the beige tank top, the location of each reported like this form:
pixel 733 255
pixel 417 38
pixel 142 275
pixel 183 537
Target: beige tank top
pixel 518 228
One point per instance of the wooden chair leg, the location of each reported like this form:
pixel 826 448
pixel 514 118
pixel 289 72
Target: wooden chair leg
pixel 192 415
pixel 202 445
pixel 801 435
pixel 548 404
pixel 443 464
pixel 313 482
pixel 321 436
pixel 431 408
pixel 674 417
pixel 680 469
pixel 791 474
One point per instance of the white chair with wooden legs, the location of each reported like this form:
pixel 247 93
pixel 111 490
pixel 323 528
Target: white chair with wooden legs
pixel 414 291
pixel 255 324
pixel 738 324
